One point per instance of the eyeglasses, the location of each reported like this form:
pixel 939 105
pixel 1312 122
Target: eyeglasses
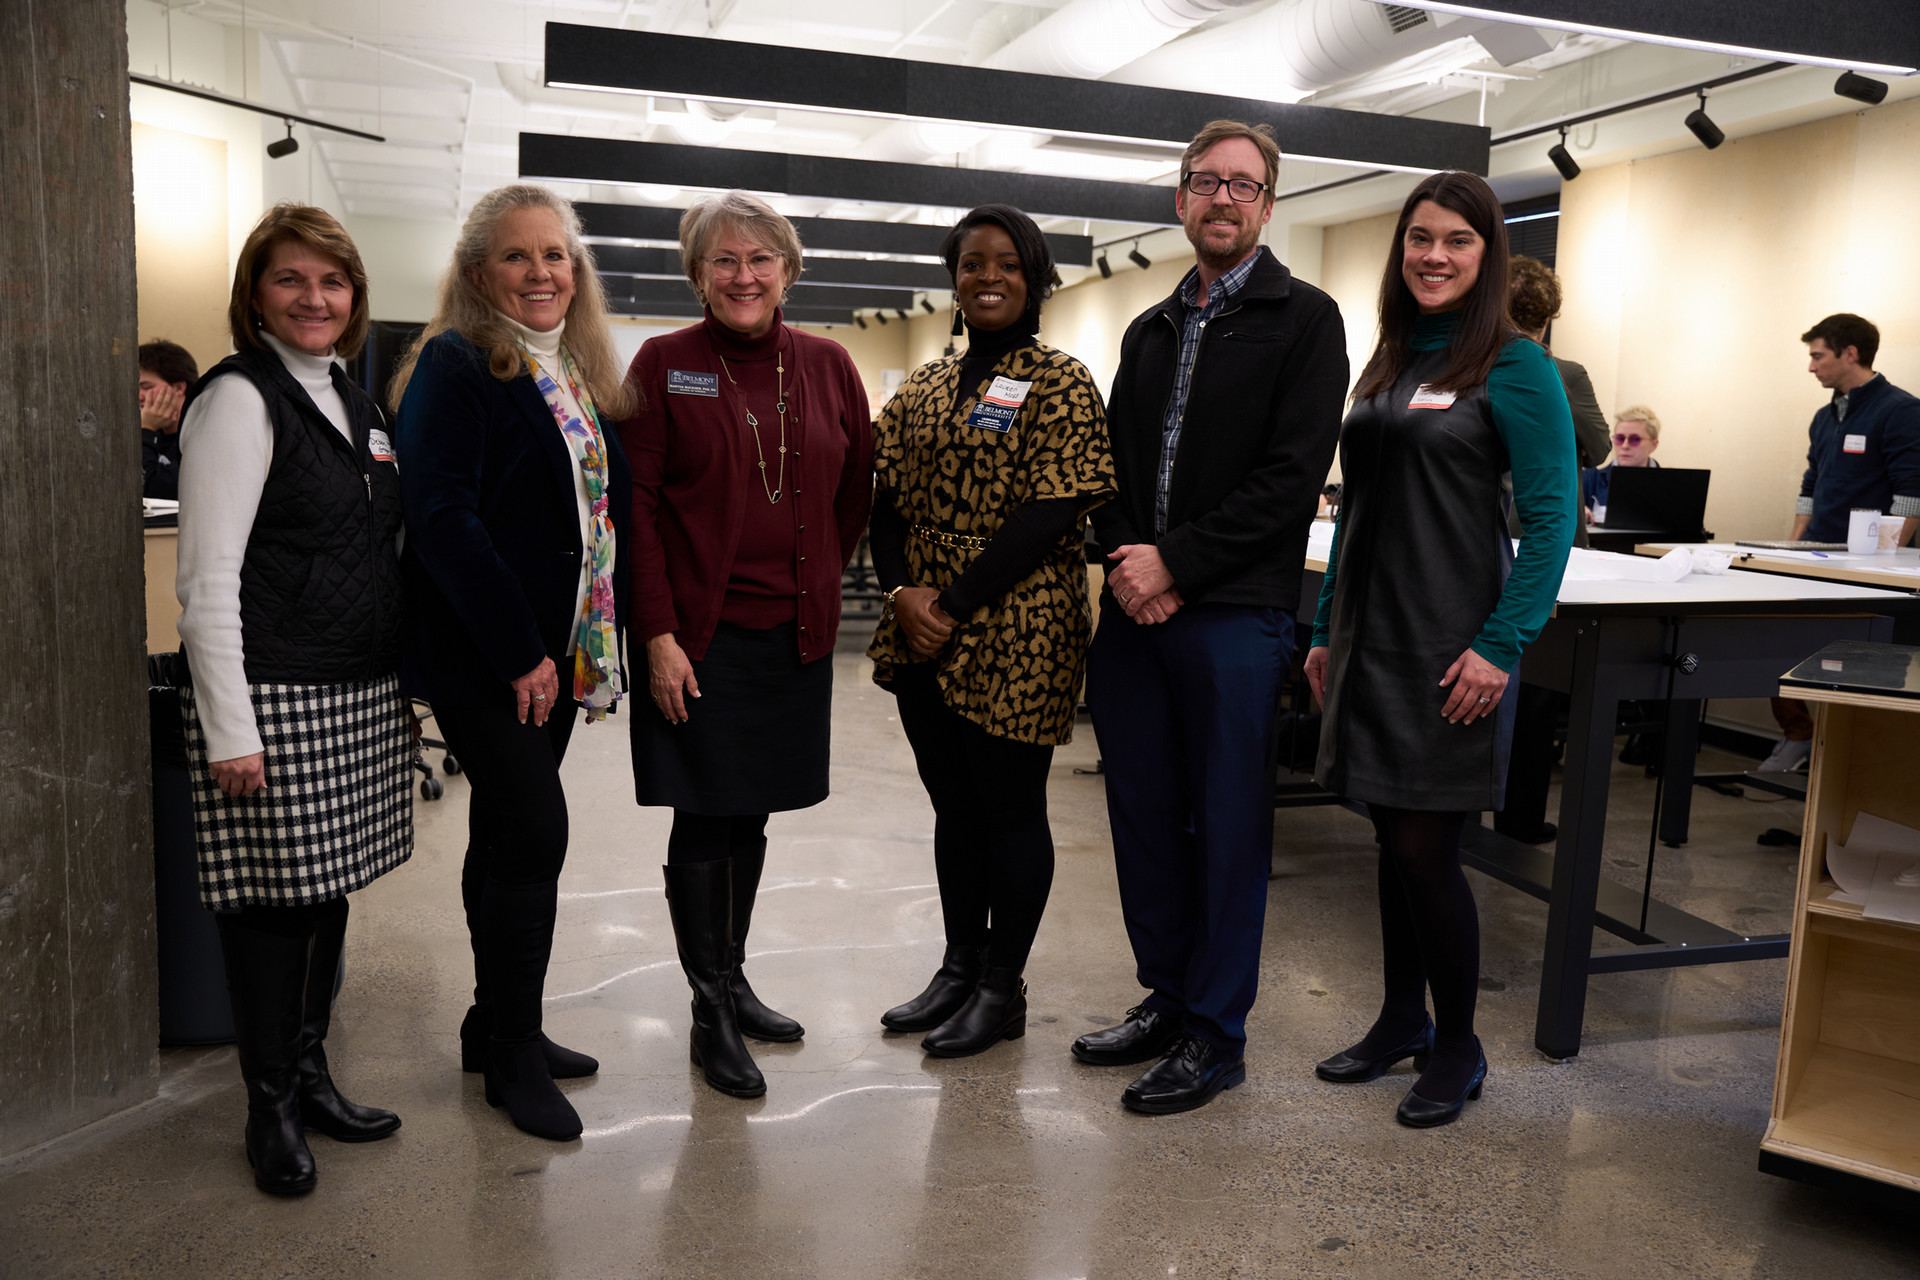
pixel 763 265
pixel 1244 190
pixel 1630 438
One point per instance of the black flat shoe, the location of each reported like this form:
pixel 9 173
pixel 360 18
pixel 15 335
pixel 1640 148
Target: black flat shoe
pixel 996 1011
pixel 1544 833
pixel 476 1029
pixel 1417 1112
pixel 958 975
pixel 1344 1068
pixel 517 1079
pixel 1190 1076
pixel 1141 1037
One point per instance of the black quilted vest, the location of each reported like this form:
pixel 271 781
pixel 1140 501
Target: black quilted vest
pixel 320 598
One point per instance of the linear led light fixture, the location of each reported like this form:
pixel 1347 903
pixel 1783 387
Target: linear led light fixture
pixel 1528 17
pixel 757 75
pixel 652 226
pixel 194 91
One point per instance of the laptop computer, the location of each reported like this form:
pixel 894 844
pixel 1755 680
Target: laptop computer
pixel 1668 501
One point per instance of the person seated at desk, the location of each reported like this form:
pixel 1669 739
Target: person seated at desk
pixel 1636 434
pixel 166 371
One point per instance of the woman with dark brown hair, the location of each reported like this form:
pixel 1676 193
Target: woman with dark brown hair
pixel 298 738
pixel 1426 609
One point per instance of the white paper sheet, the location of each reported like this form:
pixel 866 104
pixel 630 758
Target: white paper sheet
pixel 1877 853
pixel 1611 566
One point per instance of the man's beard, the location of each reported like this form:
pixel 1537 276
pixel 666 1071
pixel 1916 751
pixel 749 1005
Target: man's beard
pixel 1248 235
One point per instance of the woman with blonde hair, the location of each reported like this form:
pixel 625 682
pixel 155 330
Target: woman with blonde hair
pixel 516 507
pixel 298 738
pixel 752 456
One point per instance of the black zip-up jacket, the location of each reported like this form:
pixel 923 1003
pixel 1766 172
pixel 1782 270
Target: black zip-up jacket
pixel 1260 427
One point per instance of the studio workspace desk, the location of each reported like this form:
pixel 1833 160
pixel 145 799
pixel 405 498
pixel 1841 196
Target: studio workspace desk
pixel 1716 637
pixel 1895 571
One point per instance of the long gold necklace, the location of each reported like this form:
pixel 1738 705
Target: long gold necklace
pixel 780 389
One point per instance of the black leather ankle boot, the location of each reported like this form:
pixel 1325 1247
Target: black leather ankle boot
pixel 958 975
pixel 699 903
pixel 266 981
pixel 996 1011
pixel 755 1018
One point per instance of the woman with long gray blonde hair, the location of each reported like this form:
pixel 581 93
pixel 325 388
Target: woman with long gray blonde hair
pixel 515 493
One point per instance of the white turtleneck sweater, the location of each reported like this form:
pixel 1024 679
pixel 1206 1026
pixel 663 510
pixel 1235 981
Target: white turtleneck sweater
pixel 226 448
pixel 545 348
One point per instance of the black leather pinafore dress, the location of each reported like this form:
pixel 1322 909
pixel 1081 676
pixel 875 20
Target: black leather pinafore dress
pixel 1422 558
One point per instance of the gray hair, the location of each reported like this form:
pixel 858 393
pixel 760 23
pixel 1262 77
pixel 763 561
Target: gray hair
pixel 465 310
pixel 747 214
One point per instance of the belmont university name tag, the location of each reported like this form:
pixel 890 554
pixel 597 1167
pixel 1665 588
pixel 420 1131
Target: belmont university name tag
pixel 682 382
pixel 997 407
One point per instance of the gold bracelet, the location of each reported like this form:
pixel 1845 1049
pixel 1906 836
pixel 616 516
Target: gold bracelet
pixel 889 595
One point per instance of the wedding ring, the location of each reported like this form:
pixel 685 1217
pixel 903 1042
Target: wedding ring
pixel 541 697
pixel 1483 699
pixel 1124 598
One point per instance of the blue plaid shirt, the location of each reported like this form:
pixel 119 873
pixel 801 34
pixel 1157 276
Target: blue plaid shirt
pixel 1197 316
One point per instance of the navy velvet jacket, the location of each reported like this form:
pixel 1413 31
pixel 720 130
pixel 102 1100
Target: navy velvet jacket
pixel 493 528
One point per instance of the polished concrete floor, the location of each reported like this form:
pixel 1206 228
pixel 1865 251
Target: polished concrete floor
pixel 866 1159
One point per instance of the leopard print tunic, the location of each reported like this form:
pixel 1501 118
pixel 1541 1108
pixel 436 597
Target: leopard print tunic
pixel 1014 666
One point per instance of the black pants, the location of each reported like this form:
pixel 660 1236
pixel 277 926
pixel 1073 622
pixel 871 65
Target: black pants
pixel 516 845
pixel 992 847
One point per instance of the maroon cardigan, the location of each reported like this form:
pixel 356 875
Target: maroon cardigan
pixel 693 469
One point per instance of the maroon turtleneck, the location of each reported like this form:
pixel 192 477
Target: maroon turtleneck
pixel 762 587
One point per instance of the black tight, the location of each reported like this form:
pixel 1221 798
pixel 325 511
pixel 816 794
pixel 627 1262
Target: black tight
pixel 706 837
pixel 294 922
pixel 1430 940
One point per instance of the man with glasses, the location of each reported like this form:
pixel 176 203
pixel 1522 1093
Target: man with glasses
pixel 1224 416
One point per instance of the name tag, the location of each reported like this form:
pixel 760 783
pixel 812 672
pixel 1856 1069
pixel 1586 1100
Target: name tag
pixel 681 382
pixel 1425 397
pixel 997 407
pixel 380 447
pixel 1854 444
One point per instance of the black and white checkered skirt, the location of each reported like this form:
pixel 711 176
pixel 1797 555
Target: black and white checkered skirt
pixel 337 810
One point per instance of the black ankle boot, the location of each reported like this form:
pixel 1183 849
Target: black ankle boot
pixel 958 975
pixel 266 981
pixel 322 1109
pixel 476 1030
pixel 996 1011
pixel 699 903
pixel 517 1079
pixel 755 1018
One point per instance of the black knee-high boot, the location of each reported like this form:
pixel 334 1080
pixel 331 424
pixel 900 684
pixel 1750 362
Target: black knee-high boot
pixel 755 1018
pixel 518 921
pixel 476 1029
pixel 699 900
pixel 322 1109
pixel 266 981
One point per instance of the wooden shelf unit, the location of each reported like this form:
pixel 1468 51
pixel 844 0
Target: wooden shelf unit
pixel 1846 1095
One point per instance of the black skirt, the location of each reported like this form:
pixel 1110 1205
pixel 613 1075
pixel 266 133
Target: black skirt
pixel 756 739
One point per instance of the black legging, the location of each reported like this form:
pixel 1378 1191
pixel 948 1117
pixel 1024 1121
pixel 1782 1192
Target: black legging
pixel 706 837
pixel 992 847
pixel 1430 940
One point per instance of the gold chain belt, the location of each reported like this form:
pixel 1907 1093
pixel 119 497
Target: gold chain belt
pixel 941 538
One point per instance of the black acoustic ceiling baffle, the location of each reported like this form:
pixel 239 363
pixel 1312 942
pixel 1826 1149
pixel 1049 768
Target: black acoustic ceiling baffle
pixel 561 158
pixel 725 70
pixel 632 260
pixel 801 295
pixel 688 309
pixel 843 235
pixel 1863 35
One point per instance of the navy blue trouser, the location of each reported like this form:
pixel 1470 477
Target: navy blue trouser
pixel 1184 711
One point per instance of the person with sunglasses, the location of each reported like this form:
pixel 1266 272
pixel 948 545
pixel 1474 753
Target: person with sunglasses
pixel 1636 434
pixel 1224 416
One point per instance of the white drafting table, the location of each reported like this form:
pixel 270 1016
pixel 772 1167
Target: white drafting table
pixel 1724 636
pixel 1895 570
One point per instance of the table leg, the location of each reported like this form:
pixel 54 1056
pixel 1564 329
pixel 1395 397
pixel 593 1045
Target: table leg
pixel 1576 863
pixel 1683 743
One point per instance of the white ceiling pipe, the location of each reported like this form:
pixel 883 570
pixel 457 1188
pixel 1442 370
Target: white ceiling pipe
pixel 1089 38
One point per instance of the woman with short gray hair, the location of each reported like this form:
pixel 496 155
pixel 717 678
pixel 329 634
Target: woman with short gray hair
pixel 752 457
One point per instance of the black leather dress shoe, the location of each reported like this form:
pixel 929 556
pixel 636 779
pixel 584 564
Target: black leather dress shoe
pixel 1143 1036
pixel 1188 1077
pixel 1417 1112
pixel 1345 1068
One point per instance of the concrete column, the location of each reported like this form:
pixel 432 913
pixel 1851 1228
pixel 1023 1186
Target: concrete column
pixel 78 1009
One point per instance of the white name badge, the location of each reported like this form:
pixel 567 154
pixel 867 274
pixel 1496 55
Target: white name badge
pixel 1854 444
pixel 996 408
pixel 381 447
pixel 1427 398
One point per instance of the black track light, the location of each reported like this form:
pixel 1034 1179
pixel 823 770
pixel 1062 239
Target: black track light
pixel 1106 268
pixel 927 306
pixel 1562 159
pixel 1138 258
pixel 903 313
pixel 289 144
pixel 861 321
pixel 1704 129
pixel 881 316
pixel 1860 88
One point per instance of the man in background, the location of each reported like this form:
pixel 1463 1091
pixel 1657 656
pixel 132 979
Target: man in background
pixel 166 371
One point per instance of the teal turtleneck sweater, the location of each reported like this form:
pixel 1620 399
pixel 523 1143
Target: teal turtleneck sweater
pixel 1529 406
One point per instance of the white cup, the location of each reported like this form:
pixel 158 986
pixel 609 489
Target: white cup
pixel 1863 531
pixel 1889 535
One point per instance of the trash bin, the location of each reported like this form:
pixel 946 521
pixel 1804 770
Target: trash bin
pixel 193 978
